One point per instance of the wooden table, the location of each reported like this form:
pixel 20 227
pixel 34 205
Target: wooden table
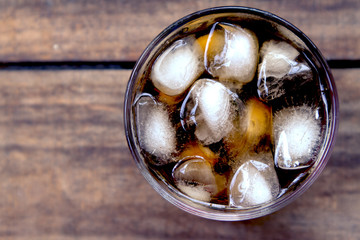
pixel 65 168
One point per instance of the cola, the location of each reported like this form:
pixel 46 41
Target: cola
pixel 232 112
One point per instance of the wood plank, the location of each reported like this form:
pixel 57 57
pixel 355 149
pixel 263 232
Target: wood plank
pixel 65 30
pixel 66 171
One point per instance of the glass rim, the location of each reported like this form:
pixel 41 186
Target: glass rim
pixel 232 214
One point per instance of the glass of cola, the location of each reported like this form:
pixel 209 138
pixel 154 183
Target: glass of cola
pixel 231 113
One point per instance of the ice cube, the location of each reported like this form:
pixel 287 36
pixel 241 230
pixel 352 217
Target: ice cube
pixel 155 130
pixel 278 59
pixel 254 182
pixel 297 136
pixel 231 53
pixel 178 66
pixel 278 65
pixel 210 106
pixel 196 178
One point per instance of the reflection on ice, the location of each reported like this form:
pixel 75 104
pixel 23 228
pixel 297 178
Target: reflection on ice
pixel 254 182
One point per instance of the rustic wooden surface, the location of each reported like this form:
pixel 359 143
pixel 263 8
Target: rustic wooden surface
pixel 65 168
pixel 102 30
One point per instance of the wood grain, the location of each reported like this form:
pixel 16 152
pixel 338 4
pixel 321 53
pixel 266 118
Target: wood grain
pixel 119 30
pixel 66 171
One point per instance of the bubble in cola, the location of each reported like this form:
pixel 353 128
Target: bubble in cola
pixel 229 114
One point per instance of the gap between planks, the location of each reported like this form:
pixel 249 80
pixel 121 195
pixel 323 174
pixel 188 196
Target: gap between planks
pixel 124 65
